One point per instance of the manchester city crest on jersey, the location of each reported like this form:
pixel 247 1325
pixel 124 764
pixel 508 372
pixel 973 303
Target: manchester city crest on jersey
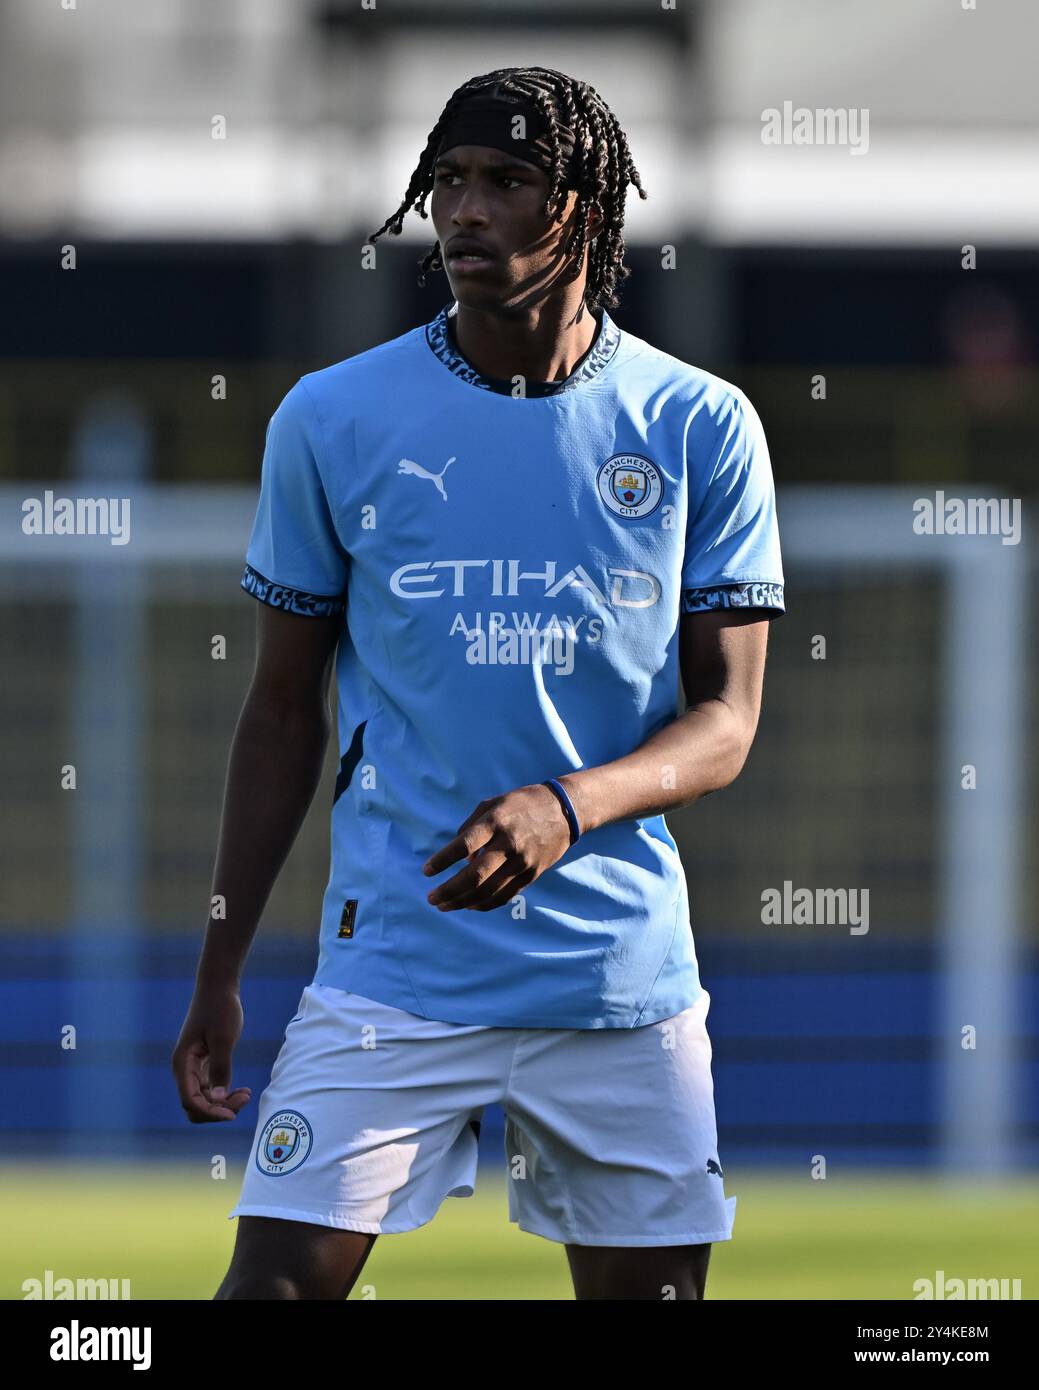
pixel 284 1143
pixel 630 485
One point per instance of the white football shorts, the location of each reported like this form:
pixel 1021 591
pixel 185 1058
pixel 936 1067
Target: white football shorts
pixel 372 1115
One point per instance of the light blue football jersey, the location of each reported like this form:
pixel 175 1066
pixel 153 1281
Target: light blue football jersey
pixel 509 572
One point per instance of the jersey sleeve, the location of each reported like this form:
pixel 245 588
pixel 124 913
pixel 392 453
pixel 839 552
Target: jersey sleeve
pixel 732 555
pixel 295 560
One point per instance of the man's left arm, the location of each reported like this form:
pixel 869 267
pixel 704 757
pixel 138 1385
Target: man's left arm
pixel 510 840
pixel 722 659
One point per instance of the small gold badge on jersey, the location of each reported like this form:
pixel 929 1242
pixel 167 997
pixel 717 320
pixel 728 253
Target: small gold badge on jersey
pixel 349 917
pixel 630 485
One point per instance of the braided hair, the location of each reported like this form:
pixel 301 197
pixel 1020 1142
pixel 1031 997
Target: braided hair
pixel 599 170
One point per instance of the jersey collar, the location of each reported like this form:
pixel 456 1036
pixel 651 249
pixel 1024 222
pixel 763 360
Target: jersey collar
pixel 441 340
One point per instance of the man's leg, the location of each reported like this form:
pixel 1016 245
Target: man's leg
pixel 278 1259
pixel 639 1272
pixel 340 1109
pixel 616 1129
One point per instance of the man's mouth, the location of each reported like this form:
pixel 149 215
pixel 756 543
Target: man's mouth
pixel 468 257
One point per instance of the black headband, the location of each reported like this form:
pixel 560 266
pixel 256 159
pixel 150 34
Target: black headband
pixel 492 120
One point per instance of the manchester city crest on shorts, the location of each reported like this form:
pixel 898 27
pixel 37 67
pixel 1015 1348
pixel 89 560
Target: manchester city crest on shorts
pixel 630 485
pixel 284 1143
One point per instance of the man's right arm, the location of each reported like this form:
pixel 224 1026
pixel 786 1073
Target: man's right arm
pixel 275 765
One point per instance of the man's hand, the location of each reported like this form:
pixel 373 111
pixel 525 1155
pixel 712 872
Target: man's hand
pixel 202 1058
pixel 509 841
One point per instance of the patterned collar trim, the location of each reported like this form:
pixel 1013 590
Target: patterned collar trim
pixel 440 337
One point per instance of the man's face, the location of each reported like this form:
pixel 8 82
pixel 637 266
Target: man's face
pixel 488 209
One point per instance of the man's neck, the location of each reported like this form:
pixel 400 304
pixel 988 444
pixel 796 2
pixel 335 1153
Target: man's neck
pixel 539 343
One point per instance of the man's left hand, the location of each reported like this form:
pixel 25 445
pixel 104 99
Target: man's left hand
pixel 509 841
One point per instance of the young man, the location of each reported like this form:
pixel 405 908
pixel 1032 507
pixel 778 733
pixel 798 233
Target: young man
pixel 512 527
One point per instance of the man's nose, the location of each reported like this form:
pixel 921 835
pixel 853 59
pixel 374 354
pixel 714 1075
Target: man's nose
pixel 470 210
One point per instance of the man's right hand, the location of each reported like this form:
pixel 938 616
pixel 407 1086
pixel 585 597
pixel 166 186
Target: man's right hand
pixel 202 1058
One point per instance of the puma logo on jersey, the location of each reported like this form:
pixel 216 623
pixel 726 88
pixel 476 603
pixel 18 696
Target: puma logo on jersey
pixel 417 471
pixel 713 1167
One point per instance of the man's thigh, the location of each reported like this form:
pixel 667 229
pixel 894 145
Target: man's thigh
pixel 279 1259
pixel 665 1273
pixel 369 1119
pixel 612 1144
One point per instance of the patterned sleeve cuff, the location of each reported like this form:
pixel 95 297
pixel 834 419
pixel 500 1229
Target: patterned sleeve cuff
pixel 289 600
pixel 752 595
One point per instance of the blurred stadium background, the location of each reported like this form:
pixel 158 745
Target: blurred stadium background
pixel 241 258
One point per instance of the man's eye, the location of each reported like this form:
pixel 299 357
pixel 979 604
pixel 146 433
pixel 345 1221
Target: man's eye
pixel 445 177
pixel 508 178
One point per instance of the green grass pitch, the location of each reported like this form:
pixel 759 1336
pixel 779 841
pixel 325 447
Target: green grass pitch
pixel 850 1236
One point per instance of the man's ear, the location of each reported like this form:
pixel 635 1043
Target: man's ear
pixel 595 224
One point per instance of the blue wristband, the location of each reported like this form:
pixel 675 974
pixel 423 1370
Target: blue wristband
pixel 568 808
